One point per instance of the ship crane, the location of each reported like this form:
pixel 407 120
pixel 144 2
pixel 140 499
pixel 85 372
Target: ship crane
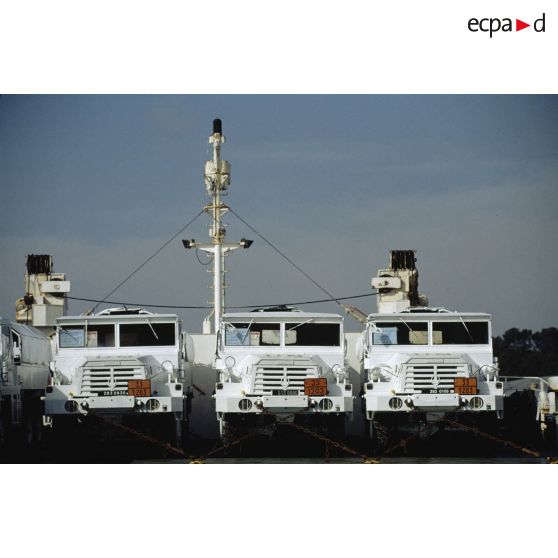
pixel 217 178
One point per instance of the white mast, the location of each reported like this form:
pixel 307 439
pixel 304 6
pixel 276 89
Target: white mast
pixel 217 178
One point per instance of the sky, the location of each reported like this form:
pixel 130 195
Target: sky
pixel 470 182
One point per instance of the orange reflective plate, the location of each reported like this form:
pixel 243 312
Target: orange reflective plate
pixel 315 386
pixel 139 388
pixel 465 386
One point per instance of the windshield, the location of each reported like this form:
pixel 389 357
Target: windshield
pixel 148 334
pixel 460 333
pixel 313 335
pixel 71 336
pixel 253 334
pixel 401 333
pixel 92 335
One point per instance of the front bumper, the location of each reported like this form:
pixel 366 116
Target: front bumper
pixel 280 404
pixel 55 403
pixel 450 402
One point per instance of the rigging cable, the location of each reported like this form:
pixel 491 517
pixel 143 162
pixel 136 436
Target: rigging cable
pixel 323 289
pixel 146 261
pixel 298 303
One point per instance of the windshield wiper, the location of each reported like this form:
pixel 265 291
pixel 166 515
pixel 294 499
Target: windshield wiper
pixel 408 327
pixel 149 324
pixel 300 324
pixel 247 330
pixel 466 329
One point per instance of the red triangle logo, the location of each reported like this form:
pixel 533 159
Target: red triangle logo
pixel 519 25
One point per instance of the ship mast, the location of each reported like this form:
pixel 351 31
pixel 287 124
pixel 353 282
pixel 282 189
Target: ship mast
pixel 217 178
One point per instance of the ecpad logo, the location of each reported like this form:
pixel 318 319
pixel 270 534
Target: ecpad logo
pixel 493 25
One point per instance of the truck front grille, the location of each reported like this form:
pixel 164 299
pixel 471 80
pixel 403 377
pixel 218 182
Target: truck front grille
pixel 282 380
pixel 109 380
pixel 428 375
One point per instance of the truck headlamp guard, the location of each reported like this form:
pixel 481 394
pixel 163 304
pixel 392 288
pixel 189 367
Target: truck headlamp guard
pixel 339 372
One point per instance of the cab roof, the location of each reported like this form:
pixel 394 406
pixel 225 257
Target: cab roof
pixel 139 318
pixel 430 315
pixel 293 315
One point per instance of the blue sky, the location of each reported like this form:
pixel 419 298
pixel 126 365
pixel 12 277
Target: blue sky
pixel 470 182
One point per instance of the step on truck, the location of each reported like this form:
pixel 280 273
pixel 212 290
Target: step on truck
pixel 281 365
pixel 122 363
pixel 422 365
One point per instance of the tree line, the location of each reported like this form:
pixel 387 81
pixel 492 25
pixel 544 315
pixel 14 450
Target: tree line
pixel 522 352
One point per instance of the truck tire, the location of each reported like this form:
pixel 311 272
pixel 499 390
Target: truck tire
pixel 32 423
pixel 337 427
pixel 380 435
pixel 229 434
pixel 550 436
pixel 2 433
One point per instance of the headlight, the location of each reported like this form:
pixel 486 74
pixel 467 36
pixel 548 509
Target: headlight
pixel 476 403
pixel 245 404
pixel 152 405
pixel 71 406
pixel 395 403
pixel 325 404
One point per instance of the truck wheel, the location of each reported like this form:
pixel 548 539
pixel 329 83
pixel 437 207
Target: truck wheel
pixel 379 436
pixel 184 423
pixel 181 430
pixel 550 435
pixel 3 419
pixel 229 434
pixel 337 427
pixel 2 434
pixel 32 422
pixel 167 428
pixel 374 437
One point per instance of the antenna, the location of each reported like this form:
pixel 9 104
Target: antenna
pixel 217 177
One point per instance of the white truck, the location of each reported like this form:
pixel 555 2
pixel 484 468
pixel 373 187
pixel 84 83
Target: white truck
pixel 25 349
pixel 543 390
pixel 278 364
pixel 25 353
pixel 424 364
pixel 122 362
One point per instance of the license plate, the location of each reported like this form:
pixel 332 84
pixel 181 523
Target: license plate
pixel 315 386
pixel 139 388
pixel 465 386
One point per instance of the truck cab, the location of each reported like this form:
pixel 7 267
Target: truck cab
pixel 423 365
pixel 429 360
pixel 279 365
pixel 120 362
